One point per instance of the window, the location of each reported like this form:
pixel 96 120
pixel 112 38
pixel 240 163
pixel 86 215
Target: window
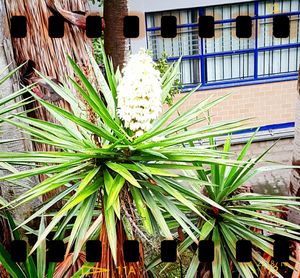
pixel 226 59
pixel 185 44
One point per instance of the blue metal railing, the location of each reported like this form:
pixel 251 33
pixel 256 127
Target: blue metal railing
pixel 153 29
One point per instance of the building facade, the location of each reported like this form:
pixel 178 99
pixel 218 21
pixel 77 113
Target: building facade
pixel 260 72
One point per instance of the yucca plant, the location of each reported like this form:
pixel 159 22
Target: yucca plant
pixel 107 167
pixel 13 269
pixel 245 216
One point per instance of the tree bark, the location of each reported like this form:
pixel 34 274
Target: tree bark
pixel 114 41
pixel 9 191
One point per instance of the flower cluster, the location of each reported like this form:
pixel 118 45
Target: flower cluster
pixel 139 93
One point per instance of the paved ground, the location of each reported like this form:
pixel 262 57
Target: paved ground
pixel 274 182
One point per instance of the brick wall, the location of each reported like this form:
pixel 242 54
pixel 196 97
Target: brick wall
pixel 270 103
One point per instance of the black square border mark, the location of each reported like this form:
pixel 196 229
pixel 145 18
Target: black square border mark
pixel 243 251
pixel 55 251
pixel 131 251
pixel 92 21
pixel 18 251
pixel 168 250
pixel 93 251
pixel 209 254
pixel 281 26
pixel 243 28
pixel 18 26
pixel 131 26
pixel 56 26
pixel 168 26
pixel 206 26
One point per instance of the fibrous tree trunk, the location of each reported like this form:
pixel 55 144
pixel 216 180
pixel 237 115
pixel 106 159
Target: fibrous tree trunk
pixel 7 132
pixel 122 269
pixel 49 55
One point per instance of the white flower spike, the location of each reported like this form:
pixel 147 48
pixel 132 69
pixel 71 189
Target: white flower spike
pixel 139 93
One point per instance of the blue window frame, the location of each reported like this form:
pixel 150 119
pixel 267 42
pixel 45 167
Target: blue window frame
pixel 226 60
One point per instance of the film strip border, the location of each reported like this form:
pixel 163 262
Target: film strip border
pixel 131 26
pixel 206 251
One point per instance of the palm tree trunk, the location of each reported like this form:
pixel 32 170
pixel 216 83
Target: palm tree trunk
pixel 121 269
pixel 8 132
pixel 114 41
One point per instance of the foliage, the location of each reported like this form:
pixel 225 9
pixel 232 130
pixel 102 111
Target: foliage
pixel 9 103
pixel 35 265
pixel 98 50
pixel 99 2
pixel 245 215
pixel 96 158
pixel 99 157
pixel 162 65
pixel 29 268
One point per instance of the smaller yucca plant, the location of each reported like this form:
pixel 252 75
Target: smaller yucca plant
pixel 245 216
pixel 35 265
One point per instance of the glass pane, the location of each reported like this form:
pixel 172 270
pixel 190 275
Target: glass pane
pixel 185 16
pixel 224 12
pixel 226 40
pixel 186 43
pixel 230 67
pixel 190 71
pixel 265 32
pixel 278 61
pixel 279 6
